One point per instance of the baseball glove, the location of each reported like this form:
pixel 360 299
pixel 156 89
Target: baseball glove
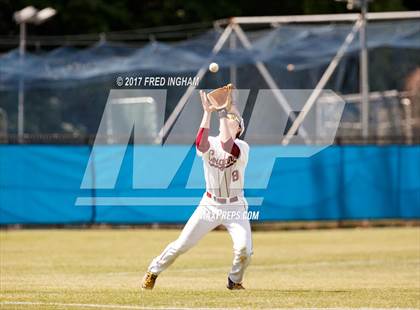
pixel 221 98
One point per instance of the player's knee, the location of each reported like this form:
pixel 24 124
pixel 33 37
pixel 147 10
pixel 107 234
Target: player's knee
pixel 243 253
pixel 247 251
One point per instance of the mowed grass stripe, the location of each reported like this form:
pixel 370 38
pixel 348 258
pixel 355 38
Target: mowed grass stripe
pixel 349 268
pixel 147 308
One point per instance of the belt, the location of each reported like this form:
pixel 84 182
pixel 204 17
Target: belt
pixel 222 200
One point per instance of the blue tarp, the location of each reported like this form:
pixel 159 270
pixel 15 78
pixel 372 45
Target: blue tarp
pixel 73 84
pixel 303 46
pixel 40 185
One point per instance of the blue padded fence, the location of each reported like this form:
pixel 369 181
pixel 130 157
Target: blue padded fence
pixel 40 184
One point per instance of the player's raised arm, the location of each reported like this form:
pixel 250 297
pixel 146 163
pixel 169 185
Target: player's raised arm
pixel 202 141
pixel 225 134
pixel 226 138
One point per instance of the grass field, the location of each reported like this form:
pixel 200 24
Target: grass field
pixel 85 269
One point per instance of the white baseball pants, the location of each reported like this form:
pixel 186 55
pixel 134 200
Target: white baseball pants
pixel 208 215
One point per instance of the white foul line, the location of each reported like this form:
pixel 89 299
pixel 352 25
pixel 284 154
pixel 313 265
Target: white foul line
pixel 134 307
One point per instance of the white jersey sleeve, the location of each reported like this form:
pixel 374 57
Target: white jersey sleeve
pixel 211 142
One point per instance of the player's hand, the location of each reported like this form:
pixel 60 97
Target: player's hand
pixel 205 102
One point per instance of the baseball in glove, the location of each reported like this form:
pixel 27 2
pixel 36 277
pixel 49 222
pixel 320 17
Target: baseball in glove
pixel 221 98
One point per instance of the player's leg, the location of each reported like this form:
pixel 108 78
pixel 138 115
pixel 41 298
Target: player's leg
pixel 199 224
pixel 240 232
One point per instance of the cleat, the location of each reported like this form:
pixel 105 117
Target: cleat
pixel 234 286
pixel 148 281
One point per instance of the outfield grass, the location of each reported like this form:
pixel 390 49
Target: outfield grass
pixel 375 267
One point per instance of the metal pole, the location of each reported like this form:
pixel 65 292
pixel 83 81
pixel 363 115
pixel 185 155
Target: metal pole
pixel 409 121
pixel 21 95
pixel 3 123
pixel 316 18
pixel 364 82
pixel 269 80
pixel 233 69
pixel 321 83
pixel 181 103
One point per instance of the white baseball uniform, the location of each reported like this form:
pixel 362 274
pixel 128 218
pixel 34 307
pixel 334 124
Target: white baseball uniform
pixel 224 174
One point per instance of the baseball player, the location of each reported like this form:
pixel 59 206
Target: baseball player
pixel 224 159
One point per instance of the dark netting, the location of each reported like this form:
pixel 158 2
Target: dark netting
pixel 66 89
